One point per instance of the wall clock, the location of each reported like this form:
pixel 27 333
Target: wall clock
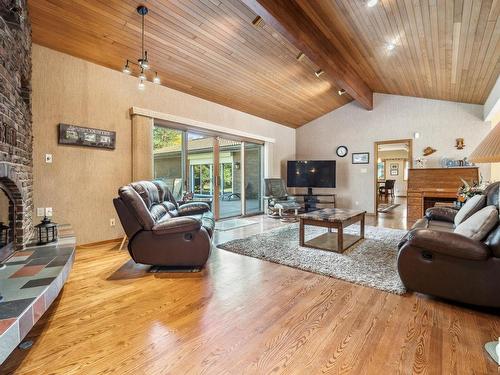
pixel 342 151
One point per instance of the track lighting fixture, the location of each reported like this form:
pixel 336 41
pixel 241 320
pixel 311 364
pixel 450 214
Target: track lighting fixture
pixel 341 92
pixel 319 73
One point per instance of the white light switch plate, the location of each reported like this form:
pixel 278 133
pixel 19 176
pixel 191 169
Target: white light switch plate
pixel 48 211
pixel 40 212
pixel 48 158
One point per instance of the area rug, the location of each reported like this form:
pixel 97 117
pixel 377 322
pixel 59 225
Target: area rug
pixel 383 207
pixel 233 224
pixel 371 262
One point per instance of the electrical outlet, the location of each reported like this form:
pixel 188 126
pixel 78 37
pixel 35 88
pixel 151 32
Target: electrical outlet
pixel 112 222
pixel 48 158
pixel 40 212
pixel 48 211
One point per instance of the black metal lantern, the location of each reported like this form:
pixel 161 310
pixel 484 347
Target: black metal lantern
pixel 4 234
pixel 47 231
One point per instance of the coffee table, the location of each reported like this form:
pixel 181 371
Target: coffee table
pixel 332 218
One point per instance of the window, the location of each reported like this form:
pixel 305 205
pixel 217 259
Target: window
pixel 381 170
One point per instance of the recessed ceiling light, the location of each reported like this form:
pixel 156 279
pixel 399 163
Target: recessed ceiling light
pixel 371 3
pixel 341 92
pixel 390 46
pixel 319 73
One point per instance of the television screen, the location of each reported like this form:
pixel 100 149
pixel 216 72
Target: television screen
pixel 311 173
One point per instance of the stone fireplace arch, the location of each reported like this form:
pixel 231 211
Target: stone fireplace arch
pixel 11 185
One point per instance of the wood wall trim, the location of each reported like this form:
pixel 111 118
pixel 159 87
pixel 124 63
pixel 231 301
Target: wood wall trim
pixel 198 124
pixel 289 20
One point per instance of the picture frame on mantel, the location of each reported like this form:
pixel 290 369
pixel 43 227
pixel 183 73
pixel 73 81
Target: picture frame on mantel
pixel 360 158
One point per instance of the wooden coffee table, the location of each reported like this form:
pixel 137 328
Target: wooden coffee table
pixel 332 218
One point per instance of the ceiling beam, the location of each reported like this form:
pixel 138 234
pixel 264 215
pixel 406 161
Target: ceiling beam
pixel 289 20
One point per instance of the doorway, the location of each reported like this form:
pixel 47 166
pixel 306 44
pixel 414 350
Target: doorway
pixel 393 160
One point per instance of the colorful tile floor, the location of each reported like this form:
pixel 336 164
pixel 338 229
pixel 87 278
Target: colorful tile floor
pixel 30 282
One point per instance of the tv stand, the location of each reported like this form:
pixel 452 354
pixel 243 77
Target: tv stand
pixel 313 202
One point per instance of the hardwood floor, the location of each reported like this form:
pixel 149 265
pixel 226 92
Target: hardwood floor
pixel 246 316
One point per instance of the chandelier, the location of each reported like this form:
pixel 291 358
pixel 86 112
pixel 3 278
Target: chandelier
pixel 142 63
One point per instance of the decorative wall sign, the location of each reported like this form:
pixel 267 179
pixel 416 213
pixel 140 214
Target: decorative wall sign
pixel 360 158
pixel 394 169
pixel 80 136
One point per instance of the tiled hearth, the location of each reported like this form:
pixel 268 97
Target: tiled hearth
pixel 30 282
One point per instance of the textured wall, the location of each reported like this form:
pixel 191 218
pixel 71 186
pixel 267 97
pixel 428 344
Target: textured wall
pixel 393 117
pixel 15 112
pixel 81 183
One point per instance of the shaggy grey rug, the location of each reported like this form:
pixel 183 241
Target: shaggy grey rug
pixel 370 262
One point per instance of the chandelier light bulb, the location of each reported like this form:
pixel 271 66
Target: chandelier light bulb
pixel 142 76
pixel 371 3
pixel 126 69
pixel 156 79
pixel 141 85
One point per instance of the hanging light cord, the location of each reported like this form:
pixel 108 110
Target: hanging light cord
pixel 142 51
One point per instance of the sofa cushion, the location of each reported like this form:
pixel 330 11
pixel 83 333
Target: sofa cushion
pixel 493 241
pixel 470 207
pixel 441 213
pixel 147 191
pixel 193 208
pixel 171 208
pixel 158 211
pixel 480 224
pixel 136 206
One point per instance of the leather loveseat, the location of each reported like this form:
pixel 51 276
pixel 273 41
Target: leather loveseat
pixel 435 260
pixel 160 231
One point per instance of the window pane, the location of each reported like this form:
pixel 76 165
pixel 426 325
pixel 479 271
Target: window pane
pixel 167 163
pixel 253 178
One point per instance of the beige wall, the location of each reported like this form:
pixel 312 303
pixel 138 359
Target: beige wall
pixel 393 117
pixel 81 182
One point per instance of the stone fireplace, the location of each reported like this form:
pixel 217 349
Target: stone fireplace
pixel 16 143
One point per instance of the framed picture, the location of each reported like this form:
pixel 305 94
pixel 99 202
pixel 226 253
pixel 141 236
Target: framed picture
pixel 360 158
pixel 80 136
pixel 394 172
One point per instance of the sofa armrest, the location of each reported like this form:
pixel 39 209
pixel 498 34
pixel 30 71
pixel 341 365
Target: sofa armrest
pixel 441 213
pixel 193 208
pixel 176 225
pixel 447 243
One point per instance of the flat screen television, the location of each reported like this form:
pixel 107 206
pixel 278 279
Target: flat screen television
pixel 311 173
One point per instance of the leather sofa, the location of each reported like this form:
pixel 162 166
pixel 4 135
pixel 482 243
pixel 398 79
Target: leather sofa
pixel 436 261
pixel 160 231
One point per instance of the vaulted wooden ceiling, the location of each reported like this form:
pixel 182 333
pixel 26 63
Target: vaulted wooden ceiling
pixel 444 49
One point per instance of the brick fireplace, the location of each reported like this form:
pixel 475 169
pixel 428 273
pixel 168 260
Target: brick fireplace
pixel 16 143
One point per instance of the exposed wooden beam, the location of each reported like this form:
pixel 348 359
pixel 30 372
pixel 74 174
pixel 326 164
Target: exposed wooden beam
pixel 289 20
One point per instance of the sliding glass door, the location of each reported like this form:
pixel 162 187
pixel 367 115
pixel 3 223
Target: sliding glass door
pixel 253 178
pixel 226 173
pixel 230 178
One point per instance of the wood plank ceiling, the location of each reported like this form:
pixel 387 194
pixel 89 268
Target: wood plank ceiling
pixel 444 49
pixel 209 49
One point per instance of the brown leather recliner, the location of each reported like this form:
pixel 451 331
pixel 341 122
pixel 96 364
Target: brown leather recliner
pixel 161 232
pixel 435 261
